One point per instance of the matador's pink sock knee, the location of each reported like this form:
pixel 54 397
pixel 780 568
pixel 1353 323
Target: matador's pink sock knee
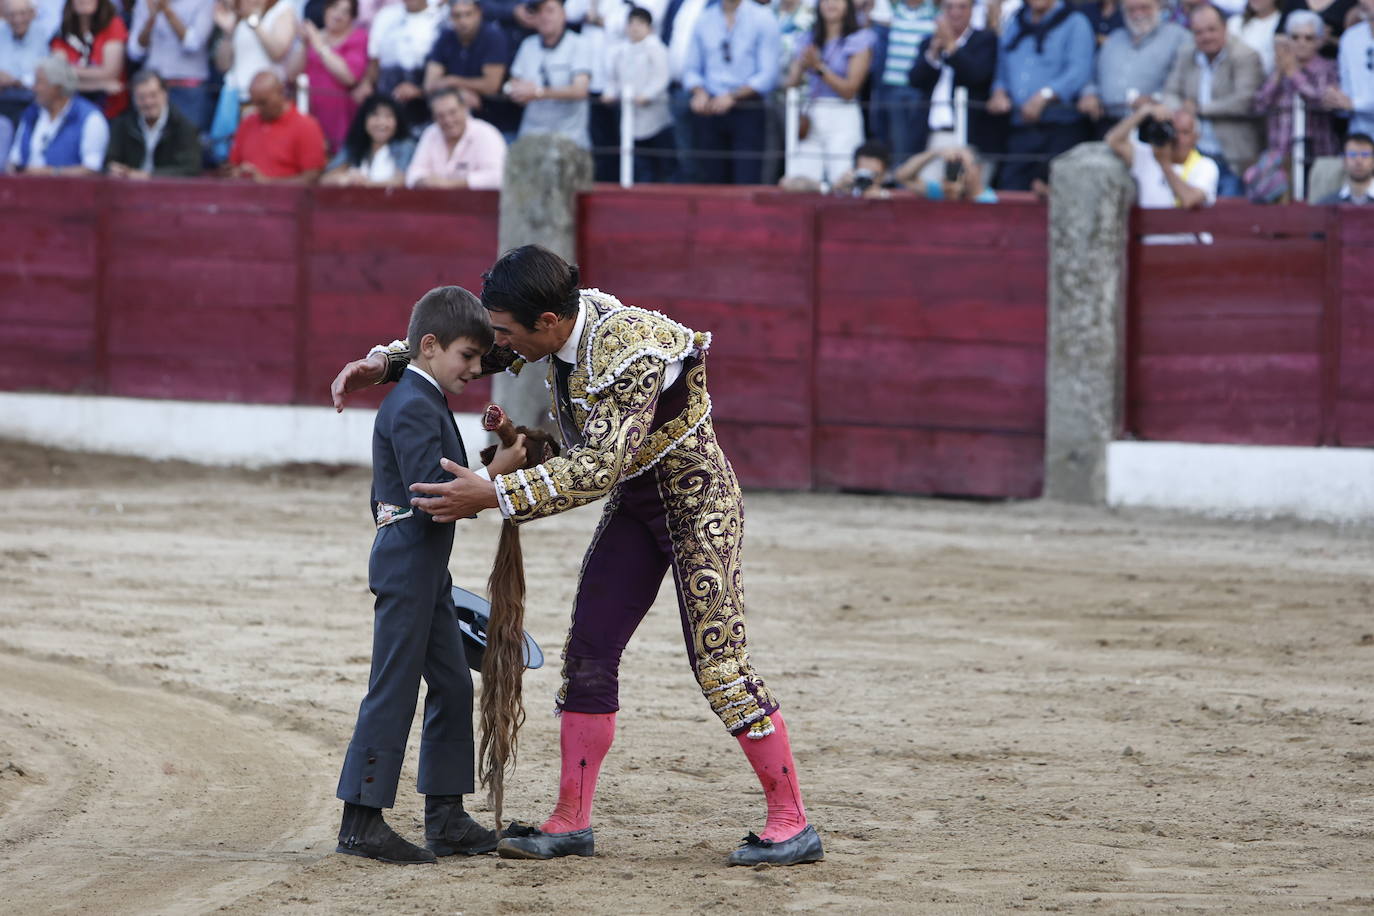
pixel 771 758
pixel 584 738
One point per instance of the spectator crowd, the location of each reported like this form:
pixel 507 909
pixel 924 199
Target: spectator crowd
pixel 1198 99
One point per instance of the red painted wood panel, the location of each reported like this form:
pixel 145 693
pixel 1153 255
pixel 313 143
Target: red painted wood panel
pixel 1226 341
pixel 740 268
pixel 49 308
pixel 932 461
pixel 931 366
pixel 201 291
pixel 1353 413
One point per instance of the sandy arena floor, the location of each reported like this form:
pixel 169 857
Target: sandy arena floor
pixel 994 707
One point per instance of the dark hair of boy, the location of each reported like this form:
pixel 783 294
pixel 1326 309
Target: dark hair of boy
pixel 640 13
pixel 529 281
pixel 449 312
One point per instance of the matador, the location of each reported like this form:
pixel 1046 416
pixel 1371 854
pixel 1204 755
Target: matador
pixel 628 390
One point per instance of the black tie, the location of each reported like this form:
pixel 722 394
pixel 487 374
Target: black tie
pixel 561 370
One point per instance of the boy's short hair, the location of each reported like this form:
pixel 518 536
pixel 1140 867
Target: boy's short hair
pixel 640 13
pixel 449 312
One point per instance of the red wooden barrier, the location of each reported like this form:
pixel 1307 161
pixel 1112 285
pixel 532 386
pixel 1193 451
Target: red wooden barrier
pixel 202 290
pixel 1260 337
pixel 858 344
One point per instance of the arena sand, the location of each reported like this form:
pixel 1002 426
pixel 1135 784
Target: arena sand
pixel 995 707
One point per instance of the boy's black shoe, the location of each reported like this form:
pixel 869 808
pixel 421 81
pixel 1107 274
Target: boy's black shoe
pixel 449 830
pixel 363 832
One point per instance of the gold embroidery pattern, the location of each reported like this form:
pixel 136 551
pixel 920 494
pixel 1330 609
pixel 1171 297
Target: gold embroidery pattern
pixel 614 431
pixel 706 523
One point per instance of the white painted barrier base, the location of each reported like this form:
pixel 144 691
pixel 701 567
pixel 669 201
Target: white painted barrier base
pixel 1244 481
pixel 245 435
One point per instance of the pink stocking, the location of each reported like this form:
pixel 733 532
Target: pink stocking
pixel 771 758
pixel 584 738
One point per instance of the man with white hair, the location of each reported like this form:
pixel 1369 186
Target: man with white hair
pixel 1132 64
pixel 24 37
pixel 60 133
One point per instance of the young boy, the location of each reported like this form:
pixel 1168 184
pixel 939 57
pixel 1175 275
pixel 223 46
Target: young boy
pixel 415 630
pixel 638 68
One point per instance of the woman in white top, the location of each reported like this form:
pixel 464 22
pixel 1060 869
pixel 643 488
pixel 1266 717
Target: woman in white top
pixel 376 150
pixel 261 34
pixel 835 60
pixel 1257 27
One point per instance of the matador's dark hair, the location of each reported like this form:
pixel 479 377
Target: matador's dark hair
pixel 529 281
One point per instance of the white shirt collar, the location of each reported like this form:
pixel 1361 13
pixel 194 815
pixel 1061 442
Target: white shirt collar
pixel 156 128
pixel 568 352
pixel 425 375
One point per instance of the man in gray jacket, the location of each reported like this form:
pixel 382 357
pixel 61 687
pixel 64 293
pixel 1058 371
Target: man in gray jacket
pixel 1217 82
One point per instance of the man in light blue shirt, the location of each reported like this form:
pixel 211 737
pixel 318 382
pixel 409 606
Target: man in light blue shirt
pixel 1357 72
pixel 1046 60
pixel 732 64
pixel 24 37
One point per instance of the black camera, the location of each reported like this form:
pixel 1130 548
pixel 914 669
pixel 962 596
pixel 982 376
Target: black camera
pixel 954 169
pixel 863 180
pixel 1156 132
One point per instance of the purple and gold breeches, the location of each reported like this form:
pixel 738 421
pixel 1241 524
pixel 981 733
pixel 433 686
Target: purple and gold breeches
pixel 684 514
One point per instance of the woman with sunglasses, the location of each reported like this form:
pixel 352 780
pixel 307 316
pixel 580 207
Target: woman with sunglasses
pixel 1299 71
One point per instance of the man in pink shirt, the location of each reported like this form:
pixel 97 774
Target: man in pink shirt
pixel 457 150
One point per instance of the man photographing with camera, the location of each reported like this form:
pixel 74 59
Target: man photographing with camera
pixel 1160 148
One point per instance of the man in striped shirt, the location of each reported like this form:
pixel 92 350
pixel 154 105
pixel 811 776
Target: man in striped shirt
pixel 898 108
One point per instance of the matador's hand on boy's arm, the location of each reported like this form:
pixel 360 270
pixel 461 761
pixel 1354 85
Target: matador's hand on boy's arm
pixel 462 497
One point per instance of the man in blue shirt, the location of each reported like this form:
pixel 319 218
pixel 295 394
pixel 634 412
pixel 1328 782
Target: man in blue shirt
pixel 472 57
pixel 1046 59
pixel 732 64
pixel 24 37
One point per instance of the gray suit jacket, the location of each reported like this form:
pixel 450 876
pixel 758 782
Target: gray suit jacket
pixel 1237 78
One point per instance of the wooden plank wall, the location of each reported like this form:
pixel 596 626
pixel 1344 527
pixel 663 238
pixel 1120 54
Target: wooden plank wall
pixel 1227 341
pixel 717 260
pixel 931 347
pixel 858 344
pixel 1351 334
pixel 199 290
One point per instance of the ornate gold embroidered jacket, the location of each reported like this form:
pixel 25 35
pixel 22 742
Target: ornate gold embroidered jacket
pixel 613 392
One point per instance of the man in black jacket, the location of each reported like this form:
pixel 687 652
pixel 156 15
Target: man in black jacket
pixel 956 55
pixel 152 138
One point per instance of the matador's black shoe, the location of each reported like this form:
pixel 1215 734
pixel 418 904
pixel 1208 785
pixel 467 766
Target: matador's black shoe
pixel 364 833
pixel 519 841
pixel 802 848
pixel 449 830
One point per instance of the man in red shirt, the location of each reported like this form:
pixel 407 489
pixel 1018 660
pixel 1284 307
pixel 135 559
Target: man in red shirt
pixel 276 142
